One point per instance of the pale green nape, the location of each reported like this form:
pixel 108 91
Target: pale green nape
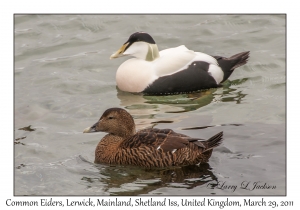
pixel 153 52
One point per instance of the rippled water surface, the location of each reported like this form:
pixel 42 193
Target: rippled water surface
pixel 64 80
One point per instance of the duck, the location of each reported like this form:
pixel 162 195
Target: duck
pixel 148 148
pixel 170 71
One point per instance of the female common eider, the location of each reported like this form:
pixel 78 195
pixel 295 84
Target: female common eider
pixel 170 71
pixel 147 148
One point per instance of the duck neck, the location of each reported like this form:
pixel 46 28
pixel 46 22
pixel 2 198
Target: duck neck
pixel 127 133
pixel 153 52
pixel 124 131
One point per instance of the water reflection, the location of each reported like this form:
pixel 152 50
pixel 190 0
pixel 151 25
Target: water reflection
pixel 129 180
pixel 148 109
pixel 28 128
pixel 173 103
pixel 210 126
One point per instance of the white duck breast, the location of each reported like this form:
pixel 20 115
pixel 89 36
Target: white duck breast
pixel 170 71
pixel 134 75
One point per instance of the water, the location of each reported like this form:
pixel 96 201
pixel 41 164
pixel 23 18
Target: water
pixel 64 80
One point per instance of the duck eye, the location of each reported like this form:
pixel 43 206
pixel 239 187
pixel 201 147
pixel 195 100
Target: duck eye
pixel 110 117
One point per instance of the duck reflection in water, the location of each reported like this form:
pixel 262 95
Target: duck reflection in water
pixel 131 181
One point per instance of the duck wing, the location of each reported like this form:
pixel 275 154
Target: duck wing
pixel 164 139
pixel 176 59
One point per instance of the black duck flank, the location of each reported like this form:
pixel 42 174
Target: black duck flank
pixel 149 147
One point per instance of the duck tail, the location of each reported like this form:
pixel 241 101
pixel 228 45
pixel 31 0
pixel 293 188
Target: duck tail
pixel 231 63
pixel 211 143
pixel 214 141
pixel 240 58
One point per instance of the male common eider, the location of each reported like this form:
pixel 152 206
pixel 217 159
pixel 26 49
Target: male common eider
pixel 170 71
pixel 149 147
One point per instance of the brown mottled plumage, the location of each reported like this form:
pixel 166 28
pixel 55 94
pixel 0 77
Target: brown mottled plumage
pixel 147 148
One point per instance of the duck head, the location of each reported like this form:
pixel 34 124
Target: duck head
pixel 140 45
pixel 115 121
